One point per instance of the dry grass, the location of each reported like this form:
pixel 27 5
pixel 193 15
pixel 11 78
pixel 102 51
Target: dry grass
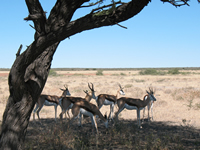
pixel 176 122
pixel 120 135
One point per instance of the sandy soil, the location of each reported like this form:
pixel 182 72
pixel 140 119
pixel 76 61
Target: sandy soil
pixel 178 96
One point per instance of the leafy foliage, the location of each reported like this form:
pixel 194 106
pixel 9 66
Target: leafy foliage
pixel 151 71
pixel 99 72
pixel 52 73
pixel 174 71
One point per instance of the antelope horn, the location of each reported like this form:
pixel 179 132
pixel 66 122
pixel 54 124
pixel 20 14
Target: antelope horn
pixel 92 89
pixel 65 86
pixel 85 91
pixel 151 90
pixel 120 86
pixel 147 92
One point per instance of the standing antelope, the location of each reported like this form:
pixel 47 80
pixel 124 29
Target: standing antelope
pixel 105 99
pixel 81 106
pixel 50 100
pixel 132 103
pixel 66 104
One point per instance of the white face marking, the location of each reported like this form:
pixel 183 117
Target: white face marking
pixel 121 92
pixel 152 97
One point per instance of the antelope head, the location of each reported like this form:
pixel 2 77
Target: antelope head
pixel 92 90
pixel 65 91
pixel 151 94
pixel 121 90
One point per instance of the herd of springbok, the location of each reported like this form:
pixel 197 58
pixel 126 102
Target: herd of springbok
pixel 81 106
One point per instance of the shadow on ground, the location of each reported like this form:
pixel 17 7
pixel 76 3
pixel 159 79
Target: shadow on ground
pixel 122 134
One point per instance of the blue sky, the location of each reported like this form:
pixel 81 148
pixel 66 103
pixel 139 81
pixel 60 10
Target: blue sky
pixel 161 35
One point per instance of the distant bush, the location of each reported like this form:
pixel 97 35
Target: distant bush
pixel 122 74
pixel 128 85
pixel 52 73
pixel 99 72
pixel 174 71
pixel 151 71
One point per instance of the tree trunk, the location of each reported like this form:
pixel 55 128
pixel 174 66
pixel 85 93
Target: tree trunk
pixel 25 88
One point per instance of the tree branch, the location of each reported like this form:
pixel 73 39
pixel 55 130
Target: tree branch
pixel 19 50
pixel 91 21
pixel 37 15
pixel 177 3
pixel 105 6
pixel 93 4
pixel 62 12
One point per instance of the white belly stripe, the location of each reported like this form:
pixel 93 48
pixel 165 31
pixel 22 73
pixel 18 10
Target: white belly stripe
pixel 85 112
pixel 107 102
pixel 129 107
pixel 47 103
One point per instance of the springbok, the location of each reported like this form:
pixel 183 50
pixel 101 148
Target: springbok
pixel 66 104
pixel 105 99
pixel 132 103
pixel 50 100
pixel 81 106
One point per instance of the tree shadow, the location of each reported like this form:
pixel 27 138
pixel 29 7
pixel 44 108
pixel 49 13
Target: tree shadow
pixel 122 134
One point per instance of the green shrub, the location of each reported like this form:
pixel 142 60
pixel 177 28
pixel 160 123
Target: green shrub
pixel 122 74
pixel 99 72
pixel 148 72
pixel 52 73
pixel 174 71
pixel 151 71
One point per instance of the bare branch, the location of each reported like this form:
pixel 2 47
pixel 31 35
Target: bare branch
pixel 62 12
pixel 121 26
pixel 19 50
pixel 177 3
pixel 105 6
pixel 37 15
pixel 33 28
pixel 93 4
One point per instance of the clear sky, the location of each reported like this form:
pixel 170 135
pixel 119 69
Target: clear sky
pixel 161 35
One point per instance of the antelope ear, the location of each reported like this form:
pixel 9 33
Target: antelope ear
pixel 147 92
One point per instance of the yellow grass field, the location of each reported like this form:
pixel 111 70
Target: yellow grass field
pixel 178 96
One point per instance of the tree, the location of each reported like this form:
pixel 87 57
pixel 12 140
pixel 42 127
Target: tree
pixel 30 70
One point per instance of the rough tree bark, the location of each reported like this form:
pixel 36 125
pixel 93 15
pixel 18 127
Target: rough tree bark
pixel 30 70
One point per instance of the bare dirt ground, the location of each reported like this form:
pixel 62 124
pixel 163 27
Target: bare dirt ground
pixel 178 96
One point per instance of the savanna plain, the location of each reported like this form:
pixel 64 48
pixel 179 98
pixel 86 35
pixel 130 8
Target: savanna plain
pixel 175 124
